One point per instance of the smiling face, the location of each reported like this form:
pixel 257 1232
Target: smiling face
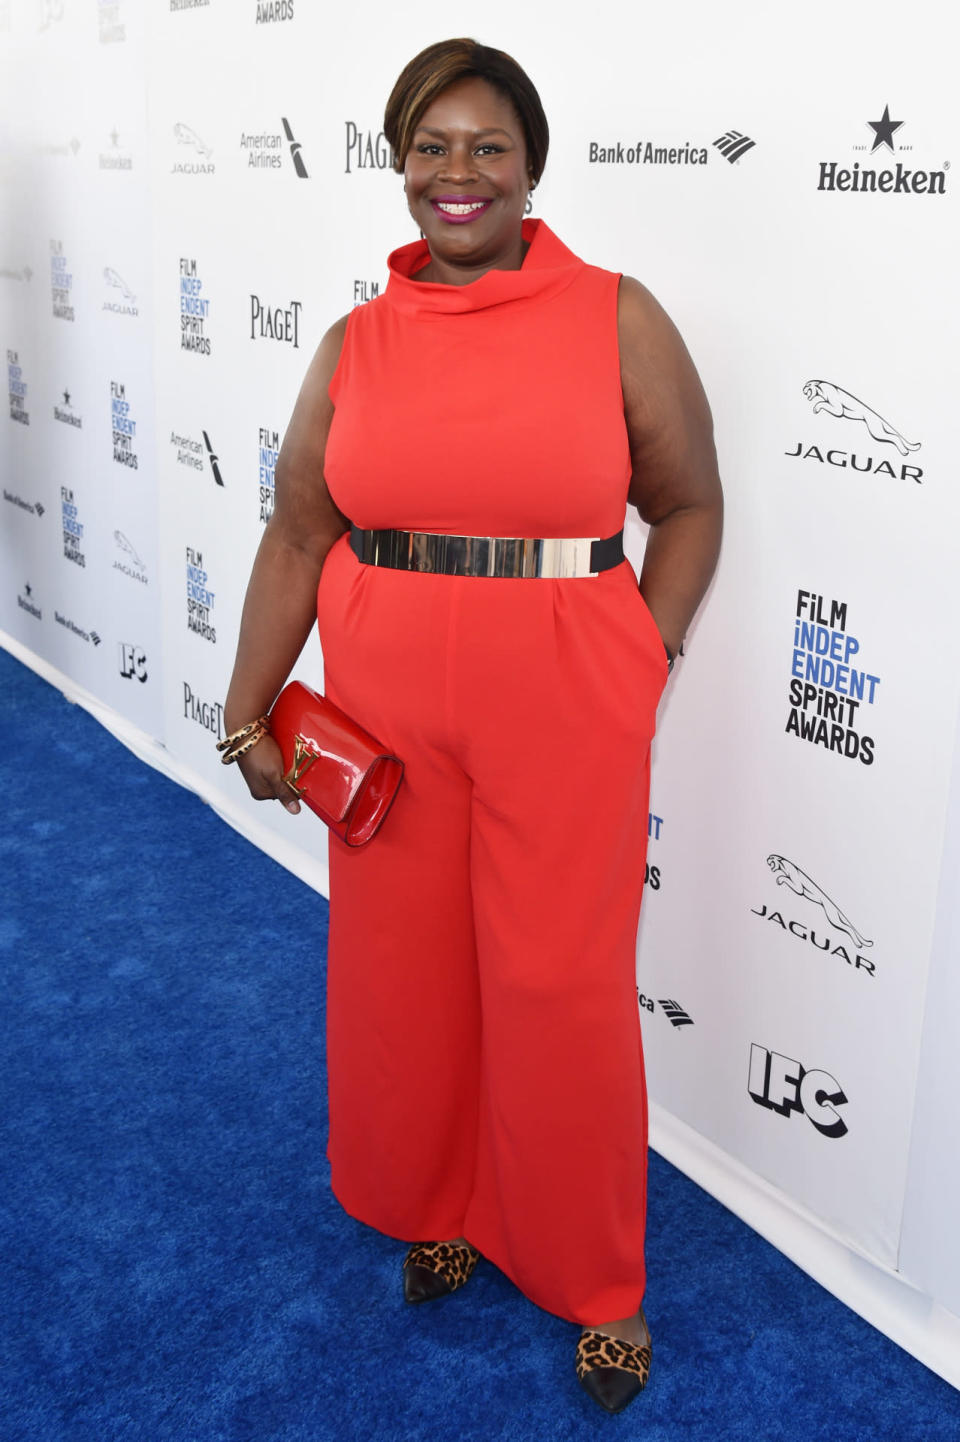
pixel 466 180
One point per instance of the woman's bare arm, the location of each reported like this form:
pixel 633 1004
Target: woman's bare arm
pixel 675 484
pixel 280 605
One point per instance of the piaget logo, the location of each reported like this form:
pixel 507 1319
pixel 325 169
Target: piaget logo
pixel 275 322
pixel 208 714
pixel 366 149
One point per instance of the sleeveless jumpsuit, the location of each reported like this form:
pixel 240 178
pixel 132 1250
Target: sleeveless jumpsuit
pixel 484 1055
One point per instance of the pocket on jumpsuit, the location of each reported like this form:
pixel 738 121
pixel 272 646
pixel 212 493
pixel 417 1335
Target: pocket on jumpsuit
pixel 654 647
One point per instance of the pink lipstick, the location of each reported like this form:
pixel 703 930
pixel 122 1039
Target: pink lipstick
pixel 460 209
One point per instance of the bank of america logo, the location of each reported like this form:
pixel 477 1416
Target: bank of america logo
pixel 733 144
pixel 676 1013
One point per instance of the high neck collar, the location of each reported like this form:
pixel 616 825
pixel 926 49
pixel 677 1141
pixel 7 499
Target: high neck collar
pixel 548 267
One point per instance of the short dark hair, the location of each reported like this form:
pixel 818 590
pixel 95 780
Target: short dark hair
pixel 440 65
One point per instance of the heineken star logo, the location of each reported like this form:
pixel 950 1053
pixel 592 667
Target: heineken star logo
pixel 884 130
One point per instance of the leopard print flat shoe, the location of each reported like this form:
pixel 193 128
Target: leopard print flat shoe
pixel 435 1269
pixel 613 1372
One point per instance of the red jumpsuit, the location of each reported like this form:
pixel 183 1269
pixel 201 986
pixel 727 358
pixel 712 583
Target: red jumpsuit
pixel 485 1064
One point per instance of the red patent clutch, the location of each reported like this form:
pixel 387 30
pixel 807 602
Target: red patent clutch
pixel 336 768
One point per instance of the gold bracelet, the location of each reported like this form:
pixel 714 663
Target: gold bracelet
pixel 239 742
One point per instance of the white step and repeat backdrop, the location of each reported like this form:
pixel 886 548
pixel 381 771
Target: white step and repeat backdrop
pixel 192 190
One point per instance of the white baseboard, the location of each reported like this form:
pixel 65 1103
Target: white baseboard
pixel 882 1296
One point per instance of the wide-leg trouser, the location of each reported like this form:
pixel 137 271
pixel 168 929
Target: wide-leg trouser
pixel 485 1064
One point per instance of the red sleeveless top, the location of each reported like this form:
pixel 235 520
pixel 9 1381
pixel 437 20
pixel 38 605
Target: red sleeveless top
pixel 493 408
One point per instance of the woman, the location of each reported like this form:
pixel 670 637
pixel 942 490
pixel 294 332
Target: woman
pixel 486 1075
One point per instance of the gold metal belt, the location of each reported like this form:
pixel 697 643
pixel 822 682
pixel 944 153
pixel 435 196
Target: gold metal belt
pixel 513 556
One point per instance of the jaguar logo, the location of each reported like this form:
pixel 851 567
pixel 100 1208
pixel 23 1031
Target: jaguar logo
pixel 125 545
pixel 185 136
pixel 825 396
pixel 114 278
pixel 788 874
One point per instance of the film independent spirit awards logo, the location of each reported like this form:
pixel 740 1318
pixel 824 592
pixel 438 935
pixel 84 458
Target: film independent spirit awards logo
pixel 833 403
pixel 831 691
pixel 17 389
pixel 877 175
pixel 834 935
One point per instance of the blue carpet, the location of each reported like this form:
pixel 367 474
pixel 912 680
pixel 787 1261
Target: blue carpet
pixel 174 1266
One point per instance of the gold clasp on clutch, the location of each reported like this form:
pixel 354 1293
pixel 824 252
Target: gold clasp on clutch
pixel 303 759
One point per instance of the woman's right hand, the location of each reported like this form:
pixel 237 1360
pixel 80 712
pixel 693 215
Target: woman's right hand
pixel 262 770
